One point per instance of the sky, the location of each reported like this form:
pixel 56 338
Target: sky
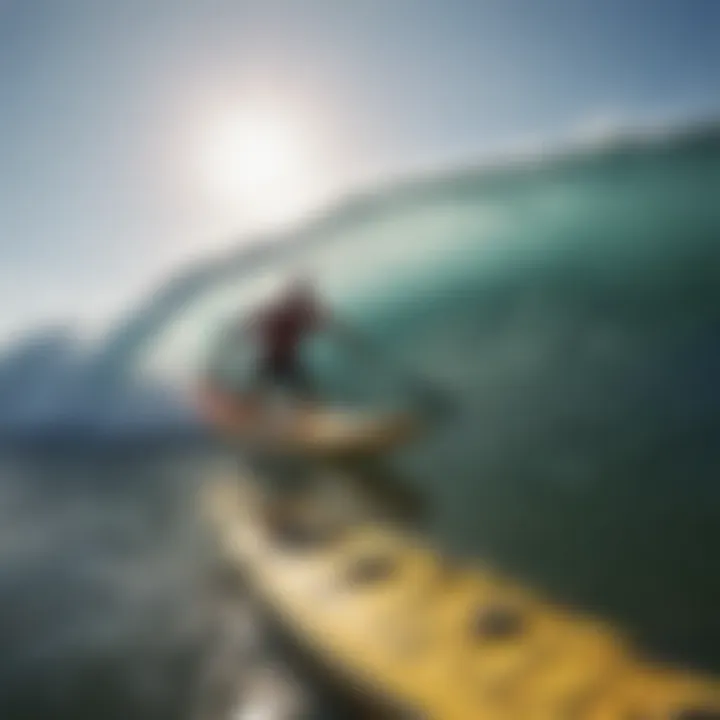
pixel 135 134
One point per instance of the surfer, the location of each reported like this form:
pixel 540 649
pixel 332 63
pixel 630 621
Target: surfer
pixel 280 329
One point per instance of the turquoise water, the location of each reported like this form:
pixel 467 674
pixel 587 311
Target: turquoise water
pixel 570 305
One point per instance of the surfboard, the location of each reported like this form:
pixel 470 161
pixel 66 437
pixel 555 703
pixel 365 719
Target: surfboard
pixel 386 613
pixel 318 431
pixel 341 432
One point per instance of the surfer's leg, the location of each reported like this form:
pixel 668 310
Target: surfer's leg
pixel 301 384
pixel 256 382
pixel 265 381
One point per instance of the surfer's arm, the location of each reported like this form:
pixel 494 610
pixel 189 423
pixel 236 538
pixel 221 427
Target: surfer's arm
pixel 326 321
pixel 343 331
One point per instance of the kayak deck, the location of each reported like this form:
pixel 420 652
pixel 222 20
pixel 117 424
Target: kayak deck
pixel 394 618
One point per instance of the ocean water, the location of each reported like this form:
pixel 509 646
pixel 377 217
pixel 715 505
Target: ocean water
pixel 570 305
pixel 114 604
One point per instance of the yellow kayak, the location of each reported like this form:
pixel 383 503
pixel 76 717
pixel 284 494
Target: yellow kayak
pixel 395 619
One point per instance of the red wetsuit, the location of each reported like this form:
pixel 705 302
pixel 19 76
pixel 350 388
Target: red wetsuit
pixel 280 331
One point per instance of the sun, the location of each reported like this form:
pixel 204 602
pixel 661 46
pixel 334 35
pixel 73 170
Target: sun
pixel 260 163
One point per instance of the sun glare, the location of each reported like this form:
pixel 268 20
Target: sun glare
pixel 261 165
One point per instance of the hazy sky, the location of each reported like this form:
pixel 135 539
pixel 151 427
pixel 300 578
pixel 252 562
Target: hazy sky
pixel 109 111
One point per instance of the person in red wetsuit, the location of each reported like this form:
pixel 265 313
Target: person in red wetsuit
pixel 280 330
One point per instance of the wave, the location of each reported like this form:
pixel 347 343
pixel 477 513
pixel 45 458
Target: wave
pixel 630 219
